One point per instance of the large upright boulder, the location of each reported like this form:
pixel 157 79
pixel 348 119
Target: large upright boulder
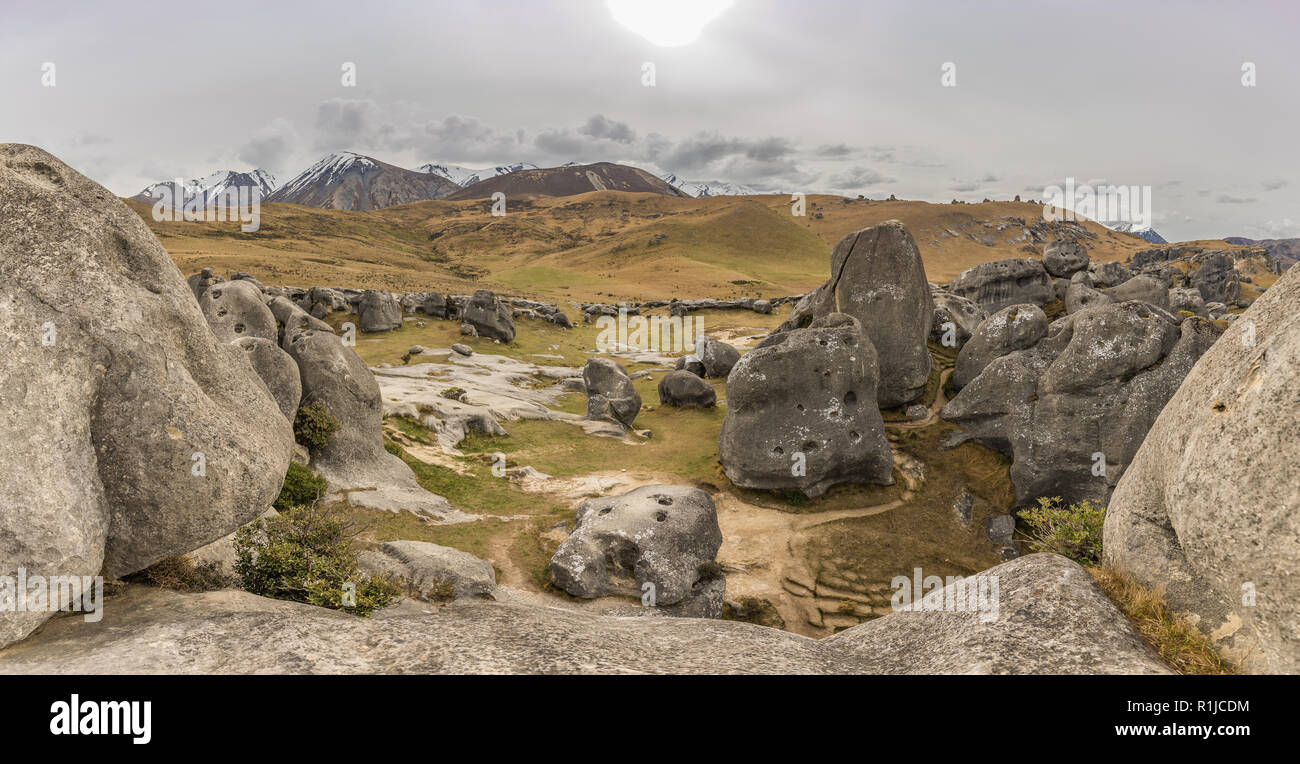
pixel 1217 279
pixel 717 357
pixel 490 316
pixel 1210 507
pixel 657 543
pixel 801 411
pixel 996 285
pixel 611 395
pixel 878 278
pixel 128 432
pixel 379 311
pixel 1073 409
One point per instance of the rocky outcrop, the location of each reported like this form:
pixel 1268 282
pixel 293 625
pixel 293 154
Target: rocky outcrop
pixel 717 357
pixel 955 318
pixel 1052 619
pixel 1207 510
pixel 489 316
pixel 610 393
pixel 379 311
pixel 878 278
pixel 432 572
pixel 996 285
pixel 128 432
pixel 684 389
pixel 1010 329
pixel 801 411
pixel 657 543
pixel 1064 257
pixel 277 370
pixel 1073 409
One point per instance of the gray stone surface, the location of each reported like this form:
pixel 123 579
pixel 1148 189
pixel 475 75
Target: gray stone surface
pixel 996 285
pixel 717 357
pixel 1082 398
pixel 490 316
pixel 666 536
pixel 236 309
pixel 1052 619
pixel 379 311
pixel 1013 328
pixel 610 393
pixel 113 383
pixel 878 278
pixel 806 398
pixel 682 388
pixel 430 569
pixel 963 314
pixel 1210 507
pixel 1065 257
pixel 278 371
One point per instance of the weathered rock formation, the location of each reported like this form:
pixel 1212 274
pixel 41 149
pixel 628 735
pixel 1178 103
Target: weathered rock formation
pixel 801 411
pixel 1208 508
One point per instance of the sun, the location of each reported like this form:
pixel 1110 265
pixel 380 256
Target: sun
pixel 668 23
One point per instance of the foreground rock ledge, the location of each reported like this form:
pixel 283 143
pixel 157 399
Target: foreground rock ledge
pixel 1052 619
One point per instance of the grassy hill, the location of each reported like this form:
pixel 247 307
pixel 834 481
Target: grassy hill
pixel 606 245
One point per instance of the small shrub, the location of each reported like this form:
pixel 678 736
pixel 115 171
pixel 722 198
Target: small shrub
pixel 302 487
pixel 453 393
pixel 181 574
pixel 1073 531
pixel 314 426
pixel 308 554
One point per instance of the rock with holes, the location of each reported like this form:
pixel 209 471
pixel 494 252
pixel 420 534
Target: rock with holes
pixel 996 285
pixel 491 317
pixel 657 543
pixel 1065 257
pixel 236 309
pixel 611 396
pixel 682 388
pixel 128 432
pixel 379 311
pixel 955 319
pixel 277 370
pixel 293 320
pixel 717 357
pixel 1010 329
pixel 877 277
pixel 801 412
pixel 1209 510
pixel 432 572
pixel 1073 409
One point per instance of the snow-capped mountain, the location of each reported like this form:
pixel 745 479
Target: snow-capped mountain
pixel 701 189
pixel 464 176
pixel 213 185
pixel 346 180
pixel 1145 232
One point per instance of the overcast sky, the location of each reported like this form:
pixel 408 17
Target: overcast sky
pixel 807 95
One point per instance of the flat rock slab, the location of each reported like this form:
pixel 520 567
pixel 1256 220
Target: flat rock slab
pixel 1052 618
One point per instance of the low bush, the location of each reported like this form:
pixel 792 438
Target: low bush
pixel 314 426
pixel 302 487
pixel 308 554
pixel 1073 531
